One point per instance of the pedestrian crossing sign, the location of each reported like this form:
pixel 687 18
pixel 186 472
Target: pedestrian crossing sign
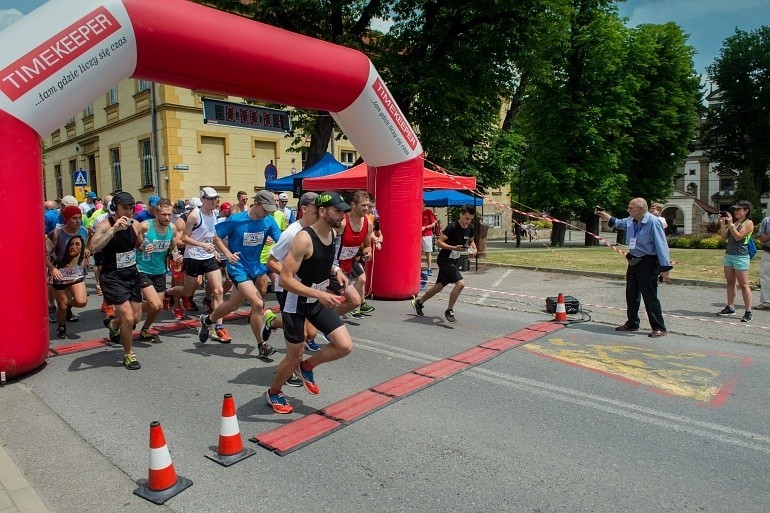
pixel 80 177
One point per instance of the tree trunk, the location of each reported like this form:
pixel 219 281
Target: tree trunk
pixel 558 231
pixel 319 138
pixel 592 226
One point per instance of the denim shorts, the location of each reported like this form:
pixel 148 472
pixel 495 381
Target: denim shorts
pixel 737 262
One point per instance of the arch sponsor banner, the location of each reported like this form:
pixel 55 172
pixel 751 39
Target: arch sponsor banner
pixel 374 116
pixel 57 61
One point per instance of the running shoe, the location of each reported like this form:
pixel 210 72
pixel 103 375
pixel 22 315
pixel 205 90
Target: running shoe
pixel 208 305
pixel 308 380
pixel 109 311
pixel 221 335
pixel 187 303
pixel 193 305
pixel 429 272
pixel 114 332
pixel 71 317
pixel 267 329
pixel 62 334
pixel 726 311
pixel 166 301
pixel 747 317
pixel 311 346
pixel 356 314
pixel 130 362
pixel 417 307
pixel 278 402
pixel 150 337
pixel 266 350
pixel 294 381
pixel 178 313
pixel 203 329
pixel 449 315
pixel 365 308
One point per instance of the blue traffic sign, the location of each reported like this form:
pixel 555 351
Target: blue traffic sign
pixel 80 178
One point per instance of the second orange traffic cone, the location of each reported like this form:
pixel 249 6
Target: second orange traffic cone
pixel 163 482
pixel 230 449
pixel 561 309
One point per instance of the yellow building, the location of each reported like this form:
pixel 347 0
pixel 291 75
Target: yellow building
pixel 114 145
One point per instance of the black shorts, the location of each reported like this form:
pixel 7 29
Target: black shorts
pixel 65 286
pixel 195 268
pixel 280 296
pixel 121 286
pixel 324 319
pixel 448 273
pixel 153 280
pixel 355 271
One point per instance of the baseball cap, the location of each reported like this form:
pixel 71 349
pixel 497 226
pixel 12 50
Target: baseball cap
pixel 225 207
pixel 68 200
pixel 307 199
pixel 283 197
pixel 209 193
pixel 153 201
pixel 195 202
pixel 742 204
pixel 91 195
pixel 123 198
pixel 332 199
pixel 70 211
pixel 266 199
pixel 179 205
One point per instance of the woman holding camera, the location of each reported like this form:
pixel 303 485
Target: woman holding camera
pixel 736 260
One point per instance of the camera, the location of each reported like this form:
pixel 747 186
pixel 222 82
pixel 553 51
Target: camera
pixel 597 208
pixel 722 213
pixel 130 222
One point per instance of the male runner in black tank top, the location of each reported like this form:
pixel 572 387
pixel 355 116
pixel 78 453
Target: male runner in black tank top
pixel 305 277
pixel 116 238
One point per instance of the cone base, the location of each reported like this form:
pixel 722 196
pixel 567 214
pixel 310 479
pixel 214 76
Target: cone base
pixel 232 459
pixel 182 483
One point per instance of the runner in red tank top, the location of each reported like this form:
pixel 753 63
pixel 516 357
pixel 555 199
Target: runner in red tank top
pixel 356 238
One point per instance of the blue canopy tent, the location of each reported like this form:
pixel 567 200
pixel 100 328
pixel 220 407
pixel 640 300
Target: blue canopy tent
pixel 328 165
pixel 450 198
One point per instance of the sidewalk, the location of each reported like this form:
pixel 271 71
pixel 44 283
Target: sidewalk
pixel 16 494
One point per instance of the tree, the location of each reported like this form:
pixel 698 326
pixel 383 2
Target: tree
pixel 737 129
pixel 745 190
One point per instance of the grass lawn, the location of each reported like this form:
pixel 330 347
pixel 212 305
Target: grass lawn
pixel 696 264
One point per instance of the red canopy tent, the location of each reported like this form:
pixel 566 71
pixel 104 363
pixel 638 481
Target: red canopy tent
pixel 355 179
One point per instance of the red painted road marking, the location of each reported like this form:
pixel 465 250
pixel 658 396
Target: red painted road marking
pixel 309 428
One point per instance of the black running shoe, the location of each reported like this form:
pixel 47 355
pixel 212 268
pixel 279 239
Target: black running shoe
pixel 266 350
pixel 62 334
pixel 449 315
pixel 203 329
pixel 71 317
pixel 417 307
pixel 295 380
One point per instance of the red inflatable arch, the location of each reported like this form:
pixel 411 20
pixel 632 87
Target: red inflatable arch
pixel 62 56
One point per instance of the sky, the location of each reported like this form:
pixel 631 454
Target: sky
pixel 708 22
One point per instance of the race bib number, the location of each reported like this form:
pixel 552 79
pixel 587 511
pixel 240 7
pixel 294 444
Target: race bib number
pixel 71 273
pixel 160 246
pixel 207 240
pixel 253 239
pixel 454 254
pixel 318 286
pixel 348 252
pixel 632 243
pixel 125 260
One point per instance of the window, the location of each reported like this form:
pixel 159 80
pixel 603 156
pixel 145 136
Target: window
pixel 142 85
pixel 726 184
pixel 493 220
pixel 691 172
pixel 146 163
pixel 348 157
pixel 58 179
pixel 89 111
pixel 117 179
pixel 112 96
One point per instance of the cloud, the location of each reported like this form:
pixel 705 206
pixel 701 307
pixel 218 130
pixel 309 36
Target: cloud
pixel 8 16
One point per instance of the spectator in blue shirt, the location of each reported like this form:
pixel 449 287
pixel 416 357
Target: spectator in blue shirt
pixel 648 260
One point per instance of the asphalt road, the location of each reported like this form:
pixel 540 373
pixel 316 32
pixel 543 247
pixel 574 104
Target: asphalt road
pixel 582 419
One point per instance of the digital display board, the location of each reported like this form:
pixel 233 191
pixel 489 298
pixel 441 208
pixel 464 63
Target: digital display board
pixel 241 115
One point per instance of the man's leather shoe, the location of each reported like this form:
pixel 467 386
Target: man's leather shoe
pixel 627 327
pixel 657 333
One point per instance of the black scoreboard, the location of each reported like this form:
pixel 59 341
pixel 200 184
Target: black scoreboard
pixel 241 115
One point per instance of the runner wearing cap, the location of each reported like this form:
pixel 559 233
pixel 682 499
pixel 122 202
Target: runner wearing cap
pixel 200 256
pixel 305 277
pixel 88 203
pixel 66 262
pixel 283 206
pixel 246 234
pixel 116 238
pixel 151 212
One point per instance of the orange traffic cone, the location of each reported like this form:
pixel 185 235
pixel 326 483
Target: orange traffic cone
pixel 561 310
pixel 162 482
pixel 230 449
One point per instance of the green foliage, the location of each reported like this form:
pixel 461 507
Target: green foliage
pixel 737 128
pixel 745 190
pixel 697 241
pixel 543 224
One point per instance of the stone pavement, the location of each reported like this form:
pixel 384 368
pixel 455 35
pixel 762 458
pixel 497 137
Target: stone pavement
pixel 16 494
